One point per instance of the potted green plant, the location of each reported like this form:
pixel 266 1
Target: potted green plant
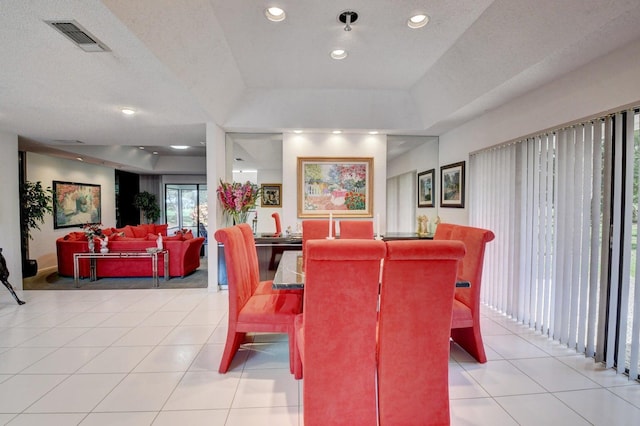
pixel 35 202
pixel 148 204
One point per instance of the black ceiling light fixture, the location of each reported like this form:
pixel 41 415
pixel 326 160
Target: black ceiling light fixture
pixel 348 17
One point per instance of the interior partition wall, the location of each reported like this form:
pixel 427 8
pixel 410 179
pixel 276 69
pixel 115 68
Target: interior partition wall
pixel 564 206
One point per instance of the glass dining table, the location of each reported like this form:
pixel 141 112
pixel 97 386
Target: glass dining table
pixel 290 276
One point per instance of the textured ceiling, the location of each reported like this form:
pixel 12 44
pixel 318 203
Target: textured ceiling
pixel 182 64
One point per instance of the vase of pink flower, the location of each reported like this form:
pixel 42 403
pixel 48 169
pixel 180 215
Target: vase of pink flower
pixel 237 199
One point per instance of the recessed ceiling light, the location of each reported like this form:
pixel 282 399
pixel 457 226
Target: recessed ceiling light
pixel 155 152
pixel 275 14
pixel 128 111
pixel 141 147
pixel 337 132
pixel 297 131
pixel 373 132
pixel 79 159
pixel 418 21
pixel 339 54
pixel 179 146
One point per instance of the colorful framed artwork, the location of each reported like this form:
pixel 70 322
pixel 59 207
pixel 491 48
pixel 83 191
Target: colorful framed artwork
pixel 342 187
pixel 76 204
pixel 452 185
pixel 425 188
pixel 271 195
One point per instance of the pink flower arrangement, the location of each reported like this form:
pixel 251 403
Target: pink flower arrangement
pixel 237 199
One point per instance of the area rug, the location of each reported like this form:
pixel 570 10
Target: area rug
pixel 53 281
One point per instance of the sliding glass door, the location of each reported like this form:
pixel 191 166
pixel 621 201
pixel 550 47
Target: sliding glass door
pixel 186 208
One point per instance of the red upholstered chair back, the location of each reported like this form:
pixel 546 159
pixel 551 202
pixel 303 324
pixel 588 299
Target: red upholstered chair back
pixel 413 336
pixel 362 229
pixel 475 241
pixel 315 230
pixel 443 231
pixel 238 269
pixel 251 255
pixel 340 315
pixel 276 218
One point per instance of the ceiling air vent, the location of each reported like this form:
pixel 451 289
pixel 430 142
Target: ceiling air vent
pixel 81 37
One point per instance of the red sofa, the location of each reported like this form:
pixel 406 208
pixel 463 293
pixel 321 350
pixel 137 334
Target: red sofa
pixel 184 252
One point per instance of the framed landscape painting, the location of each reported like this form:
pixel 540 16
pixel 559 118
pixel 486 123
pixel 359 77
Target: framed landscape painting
pixel 340 186
pixel 271 195
pixel 75 204
pixel 452 185
pixel 425 188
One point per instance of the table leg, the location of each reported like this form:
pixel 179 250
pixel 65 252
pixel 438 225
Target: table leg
pixel 154 269
pixel 76 271
pixel 93 269
pixel 166 265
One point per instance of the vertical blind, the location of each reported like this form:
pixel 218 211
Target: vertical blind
pixel 564 208
pixel 543 199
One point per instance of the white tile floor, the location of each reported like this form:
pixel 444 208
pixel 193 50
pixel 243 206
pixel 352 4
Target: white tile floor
pixel 142 357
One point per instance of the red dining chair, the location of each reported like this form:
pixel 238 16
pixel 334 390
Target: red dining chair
pixel 249 311
pixel 276 218
pixel 443 231
pixel 337 332
pixel 259 286
pixel 465 324
pixel 362 229
pixel 315 230
pixel 416 298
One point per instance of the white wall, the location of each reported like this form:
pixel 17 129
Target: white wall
pixel 330 145
pixel 604 84
pixel 47 169
pixel 10 211
pixel 422 158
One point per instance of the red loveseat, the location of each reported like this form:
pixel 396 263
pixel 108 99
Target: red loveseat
pixel 184 252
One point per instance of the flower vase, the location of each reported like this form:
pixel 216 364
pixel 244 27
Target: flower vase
pixel 91 245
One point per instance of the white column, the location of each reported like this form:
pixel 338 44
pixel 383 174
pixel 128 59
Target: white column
pixel 10 211
pixel 216 170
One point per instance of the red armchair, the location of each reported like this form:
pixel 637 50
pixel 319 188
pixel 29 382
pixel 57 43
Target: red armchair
pixel 356 229
pixel 443 231
pixel 415 307
pixel 465 324
pixel 249 311
pixel 336 334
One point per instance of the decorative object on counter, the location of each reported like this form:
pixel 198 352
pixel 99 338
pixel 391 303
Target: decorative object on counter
pixel 4 277
pixel 159 242
pixel 148 204
pixel 435 224
pixel 35 202
pixel 237 200
pixel 104 245
pixel 422 225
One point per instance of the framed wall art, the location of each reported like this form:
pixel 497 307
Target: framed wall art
pixel 452 185
pixel 340 186
pixel 76 204
pixel 425 188
pixel 271 195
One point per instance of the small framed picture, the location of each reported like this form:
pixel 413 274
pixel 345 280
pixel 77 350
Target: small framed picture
pixel 271 195
pixel 452 185
pixel 425 188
